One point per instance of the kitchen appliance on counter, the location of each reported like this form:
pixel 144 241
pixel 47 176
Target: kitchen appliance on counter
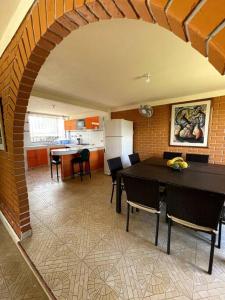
pixel 118 141
pixel 81 124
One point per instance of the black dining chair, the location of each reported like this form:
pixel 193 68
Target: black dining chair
pixel 83 161
pixel 221 223
pixel 115 165
pixel 134 158
pixel 203 158
pixel 195 209
pixel 55 160
pixel 144 195
pixel 171 155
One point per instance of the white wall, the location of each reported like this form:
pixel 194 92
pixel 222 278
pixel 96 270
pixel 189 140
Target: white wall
pixel 89 137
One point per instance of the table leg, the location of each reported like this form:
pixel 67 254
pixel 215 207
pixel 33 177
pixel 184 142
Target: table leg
pixel 118 194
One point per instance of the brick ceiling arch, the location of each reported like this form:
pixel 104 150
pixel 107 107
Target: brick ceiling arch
pixel 49 21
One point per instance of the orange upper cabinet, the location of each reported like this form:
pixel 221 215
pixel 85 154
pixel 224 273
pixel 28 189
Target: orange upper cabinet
pixel 92 122
pixel 70 125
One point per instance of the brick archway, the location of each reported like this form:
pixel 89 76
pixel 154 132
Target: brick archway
pixel 49 21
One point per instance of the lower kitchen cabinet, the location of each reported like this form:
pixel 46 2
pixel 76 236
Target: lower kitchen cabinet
pixel 37 157
pixel 97 159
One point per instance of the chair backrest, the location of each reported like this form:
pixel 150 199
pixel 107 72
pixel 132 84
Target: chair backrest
pixel 195 206
pixel 115 165
pixel 134 158
pixel 203 158
pixel 85 154
pixel 142 191
pixel 171 155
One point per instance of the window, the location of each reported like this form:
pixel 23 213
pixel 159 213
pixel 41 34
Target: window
pixel 46 128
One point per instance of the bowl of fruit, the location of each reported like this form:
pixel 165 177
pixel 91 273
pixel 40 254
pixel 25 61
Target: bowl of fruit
pixel 177 164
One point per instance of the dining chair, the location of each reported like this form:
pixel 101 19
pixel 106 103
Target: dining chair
pixel 171 155
pixel 203 158
pixel 144 195
pixel 134 158
pixel 54 160
pixel 196 209
pixel 221 223
pixel 115 165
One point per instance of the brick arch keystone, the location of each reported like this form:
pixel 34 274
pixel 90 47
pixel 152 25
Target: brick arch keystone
pixel 47 23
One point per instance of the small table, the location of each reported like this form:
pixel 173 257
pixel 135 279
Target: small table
pixel 207 177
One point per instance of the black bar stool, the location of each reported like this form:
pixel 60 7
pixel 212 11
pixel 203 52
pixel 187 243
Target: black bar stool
pixel 83 160
pixel 55 160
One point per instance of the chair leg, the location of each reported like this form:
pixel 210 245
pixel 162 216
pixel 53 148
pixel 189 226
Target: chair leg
pixel 121 191
pixel 166 218
pixel 169 235
pixel 81 170
pixel 51 170
pixel 157 230
pixel 213 240
pixel 57 172
pixel 219 234
pixel 89 168
pixel 128 217
pixel 112 192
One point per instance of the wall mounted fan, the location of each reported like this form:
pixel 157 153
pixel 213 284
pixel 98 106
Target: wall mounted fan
pixel 146 111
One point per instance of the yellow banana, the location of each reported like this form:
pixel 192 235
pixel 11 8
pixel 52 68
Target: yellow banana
pixel 174 160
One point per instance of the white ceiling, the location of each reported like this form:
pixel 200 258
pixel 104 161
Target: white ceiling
pixel 45 106
pixel 12 14
pixel 7 10
pixel 100 63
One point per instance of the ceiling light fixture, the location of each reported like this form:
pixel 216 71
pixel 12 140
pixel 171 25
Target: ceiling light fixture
pixel 147 77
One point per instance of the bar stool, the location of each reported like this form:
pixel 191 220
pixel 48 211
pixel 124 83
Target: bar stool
pixel 83 160
pixel 55 160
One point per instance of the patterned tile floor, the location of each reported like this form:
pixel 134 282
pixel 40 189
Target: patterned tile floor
pixel 80 247
pixel 17 281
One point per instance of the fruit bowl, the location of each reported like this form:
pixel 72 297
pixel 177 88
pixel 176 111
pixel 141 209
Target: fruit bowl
pixel 177 164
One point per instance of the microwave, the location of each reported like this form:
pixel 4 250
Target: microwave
pixel 81 124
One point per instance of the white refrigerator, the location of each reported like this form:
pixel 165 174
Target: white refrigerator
pixel 118 141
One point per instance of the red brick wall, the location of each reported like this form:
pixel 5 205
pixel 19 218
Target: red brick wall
pixel 151 136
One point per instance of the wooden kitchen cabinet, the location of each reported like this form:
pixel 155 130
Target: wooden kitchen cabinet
pixel 70 125
pixel 97 159
pixel 92 122
pixel 37 157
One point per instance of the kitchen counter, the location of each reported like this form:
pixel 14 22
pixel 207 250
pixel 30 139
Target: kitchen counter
pixel 75 149
pixel 39 155
pixel 67 155
pixel 42 146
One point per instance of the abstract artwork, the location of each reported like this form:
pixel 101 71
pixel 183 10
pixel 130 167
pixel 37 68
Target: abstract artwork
pixel 190 124
pixel 2 139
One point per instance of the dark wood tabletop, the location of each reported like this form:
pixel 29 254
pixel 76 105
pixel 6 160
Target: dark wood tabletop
pixel 207 177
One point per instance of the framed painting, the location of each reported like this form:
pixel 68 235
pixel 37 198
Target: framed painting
pixel 190 124
pixel 2 137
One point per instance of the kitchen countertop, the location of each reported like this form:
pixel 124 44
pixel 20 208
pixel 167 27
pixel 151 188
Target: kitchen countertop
pixel 41 146
pixel 75 149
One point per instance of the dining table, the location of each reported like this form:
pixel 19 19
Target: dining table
pixel 202 176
